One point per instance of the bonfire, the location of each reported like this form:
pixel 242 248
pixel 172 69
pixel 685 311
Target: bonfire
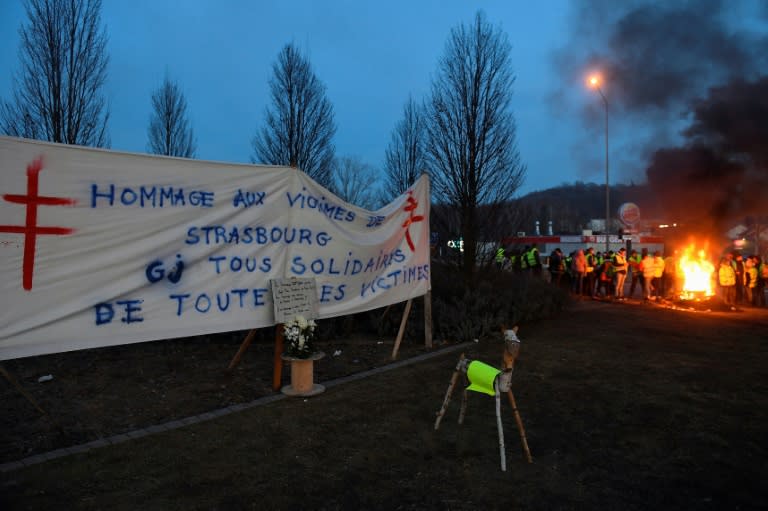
pixel 697 273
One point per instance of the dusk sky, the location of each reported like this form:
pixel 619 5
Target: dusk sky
pixel 371 56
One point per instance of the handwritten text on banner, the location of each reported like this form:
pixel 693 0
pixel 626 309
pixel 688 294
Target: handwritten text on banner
pixel 103 248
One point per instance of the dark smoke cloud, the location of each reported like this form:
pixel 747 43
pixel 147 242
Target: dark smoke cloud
pixel 734 119
pixel 665 55
pixel 687 78
pixel 702 192
pixel 723 170
pixel 658 55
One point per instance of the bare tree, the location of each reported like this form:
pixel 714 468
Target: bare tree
pixel 353 181
pixel 299 128
pixel 404 157
pixel 169 131
pixel 57 94
pixel 471 148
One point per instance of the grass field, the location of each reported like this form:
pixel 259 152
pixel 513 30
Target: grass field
pixel 625 406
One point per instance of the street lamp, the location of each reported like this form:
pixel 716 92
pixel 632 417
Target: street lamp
pixel 594 82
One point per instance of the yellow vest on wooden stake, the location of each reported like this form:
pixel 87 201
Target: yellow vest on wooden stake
pixel 481 377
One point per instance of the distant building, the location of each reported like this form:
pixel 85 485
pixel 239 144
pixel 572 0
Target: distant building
pixel 571 243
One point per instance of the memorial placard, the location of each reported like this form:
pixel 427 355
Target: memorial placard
pixel 293 297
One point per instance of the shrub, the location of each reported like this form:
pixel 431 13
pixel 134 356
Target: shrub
pixel 497 299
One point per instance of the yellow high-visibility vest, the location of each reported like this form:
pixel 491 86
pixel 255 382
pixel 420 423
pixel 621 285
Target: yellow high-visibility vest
pixel 531 256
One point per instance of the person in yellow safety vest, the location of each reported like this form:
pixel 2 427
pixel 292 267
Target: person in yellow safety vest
pixel 605 278
pixel 658 272
pixel 589 281
pixel 500 258
pixel 610 258
pixel 533 260
pixel 637 276
pixel 750 281
pixel 726 277
pixel 762 280
pixel 516 259
pixel 568 275
pixel 620 272
pixel 738 264
pixel 556 267
pixel 524 258
pixel 647 268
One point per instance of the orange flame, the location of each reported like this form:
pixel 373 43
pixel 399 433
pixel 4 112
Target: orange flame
pixel 697 272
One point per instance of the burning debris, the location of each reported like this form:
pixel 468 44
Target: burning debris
pixel 696 280
pixel 697 272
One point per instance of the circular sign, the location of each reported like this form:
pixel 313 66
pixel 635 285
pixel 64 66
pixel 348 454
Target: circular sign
pixel 629 213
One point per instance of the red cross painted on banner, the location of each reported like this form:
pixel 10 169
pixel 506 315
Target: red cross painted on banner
pixel 410 207
pixel 30 229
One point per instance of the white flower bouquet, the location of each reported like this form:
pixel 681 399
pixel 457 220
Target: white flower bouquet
pixel 300 337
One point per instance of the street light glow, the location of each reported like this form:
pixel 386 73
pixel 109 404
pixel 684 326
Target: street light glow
pixel 594 82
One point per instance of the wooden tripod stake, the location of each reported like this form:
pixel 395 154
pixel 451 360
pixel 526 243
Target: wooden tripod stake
pixel 501 385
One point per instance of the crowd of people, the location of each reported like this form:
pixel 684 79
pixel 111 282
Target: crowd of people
pixel 742 281
pixel 739 280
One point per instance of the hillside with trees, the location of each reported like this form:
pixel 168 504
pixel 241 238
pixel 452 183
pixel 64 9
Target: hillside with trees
pixel 570 207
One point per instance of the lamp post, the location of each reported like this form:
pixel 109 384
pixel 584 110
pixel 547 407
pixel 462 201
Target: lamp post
pixel 594 82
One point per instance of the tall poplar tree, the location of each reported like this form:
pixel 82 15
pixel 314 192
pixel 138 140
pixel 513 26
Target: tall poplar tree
pixel 471 149
pixel 169 130
pixel 57 93
pixel 299 125
pixel 404 159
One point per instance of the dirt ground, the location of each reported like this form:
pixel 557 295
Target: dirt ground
pixel 625 406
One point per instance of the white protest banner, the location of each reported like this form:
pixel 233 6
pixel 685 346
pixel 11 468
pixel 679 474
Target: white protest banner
pixel 101 248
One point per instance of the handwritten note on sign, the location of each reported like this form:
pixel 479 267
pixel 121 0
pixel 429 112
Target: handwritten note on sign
pixel 292 297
